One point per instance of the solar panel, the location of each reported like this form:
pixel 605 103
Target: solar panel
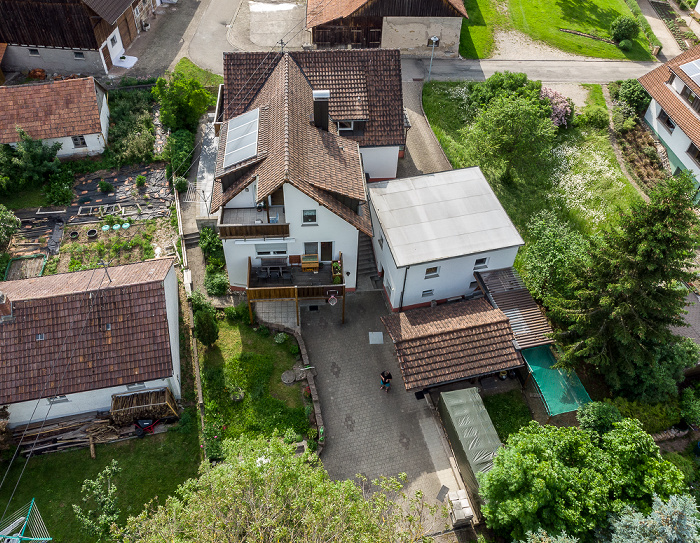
pixel 242 138
pixel 692 70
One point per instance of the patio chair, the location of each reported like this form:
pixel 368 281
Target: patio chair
pixel 287 276
pixel 275 219
pixel 275 276
pixel 262 275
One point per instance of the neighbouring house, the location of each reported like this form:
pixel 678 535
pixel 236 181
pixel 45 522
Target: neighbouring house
pixel 364 95
pixel 401 24
pixel 433 232
pixel 3 48
pixel 73 112
pixel 71 341
pixel 452 342
pixel 673 113
pixel 69 36
pixel 290 193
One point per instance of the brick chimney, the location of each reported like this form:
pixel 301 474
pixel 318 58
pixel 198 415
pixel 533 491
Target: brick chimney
pixel 5 307
pixel 321 101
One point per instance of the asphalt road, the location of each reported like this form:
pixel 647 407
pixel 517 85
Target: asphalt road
pixel 566 71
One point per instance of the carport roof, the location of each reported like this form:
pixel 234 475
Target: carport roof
pixel 442 215
pixel 319 12
pixel 451 342
pixel 109 10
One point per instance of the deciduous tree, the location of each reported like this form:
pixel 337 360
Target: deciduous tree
pixel 182 101
pixel 100 498
pixel 264 492
pixel 567 480
pixel 9 224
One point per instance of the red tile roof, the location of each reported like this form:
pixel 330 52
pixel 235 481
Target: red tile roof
pixel 655 83
pixel 319 12
pixel 506 291
pixel 50 110
pixel 292 150
pixel 78 353
pixel 365 84
pixel 451 342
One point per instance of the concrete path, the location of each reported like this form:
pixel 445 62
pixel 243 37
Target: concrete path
pixel 670 47
pixel 369 431
pixel 425 153
pixel 583 71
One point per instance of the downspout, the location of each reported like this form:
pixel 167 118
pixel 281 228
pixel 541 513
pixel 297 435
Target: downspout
pixel 405 273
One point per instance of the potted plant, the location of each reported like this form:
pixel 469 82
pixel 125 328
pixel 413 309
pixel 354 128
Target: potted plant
pixel 335 267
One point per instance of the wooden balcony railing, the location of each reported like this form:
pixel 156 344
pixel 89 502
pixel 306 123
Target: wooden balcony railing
pixel 243 231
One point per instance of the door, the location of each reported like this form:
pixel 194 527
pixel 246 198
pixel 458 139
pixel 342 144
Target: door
pixel 107 57
pixel 114 43
pixel 326 251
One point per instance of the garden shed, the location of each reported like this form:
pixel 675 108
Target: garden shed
pixel 471 434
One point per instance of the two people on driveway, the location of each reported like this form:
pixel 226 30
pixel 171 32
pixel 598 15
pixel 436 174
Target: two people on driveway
pixel 385 378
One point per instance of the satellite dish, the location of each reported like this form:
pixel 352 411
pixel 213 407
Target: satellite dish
pixel 332 301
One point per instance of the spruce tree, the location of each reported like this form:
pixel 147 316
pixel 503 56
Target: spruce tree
pixel 628 299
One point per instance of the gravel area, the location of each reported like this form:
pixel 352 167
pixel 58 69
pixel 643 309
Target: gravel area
pixel 514 45
pixel 575 91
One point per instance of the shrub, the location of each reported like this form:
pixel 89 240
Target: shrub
pixel 632 92
pixel 211 244
pixel 60 189
pixel 625 45
pixel 280 338
pixel 182 101
pixel 684 464
pixel 655 418
pixel 201 303
pixel 179 150
pixel 690 406
pixel 237 313
pixel 29 164
pixel 181 184
pixel 140 181
pixel 594 117
pixel 624 118
pixel 264 331
pixel 294 349
pixel 598 416
pixel 205 328
pixel 312 445
pixel 562 108
pixel 105 186
pixel 624 28
pixel 216 284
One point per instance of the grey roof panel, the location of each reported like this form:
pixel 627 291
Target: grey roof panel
pixel 443 215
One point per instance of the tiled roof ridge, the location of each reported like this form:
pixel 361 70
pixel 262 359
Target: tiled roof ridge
pixel 99 284
pixel 285 75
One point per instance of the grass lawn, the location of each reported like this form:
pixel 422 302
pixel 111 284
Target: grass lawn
pixel 190 70
pixel 25 199
pixel 245 359
pixel 151 468
pixel 542 19
pixel 476 38
pixel 585 185
pixel 595 95
pixel 508 411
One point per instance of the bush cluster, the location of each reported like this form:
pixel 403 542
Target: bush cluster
pixel 624 28
pixel 655 418
pixel 178 151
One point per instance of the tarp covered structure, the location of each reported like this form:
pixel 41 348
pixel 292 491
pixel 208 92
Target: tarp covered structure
pixel 562 391
pixel 471 433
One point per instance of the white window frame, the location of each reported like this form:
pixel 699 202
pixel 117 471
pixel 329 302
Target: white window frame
pixel 431 275
pixel 40 337
pixel 304 222
pixel 666 120
pixel 483 265
pixel 349 127
pixel 78 55
pixel 137 11
pixel 136 386
pixel 428 293
pixel 79 142
pixel 270 249
pixel 57 399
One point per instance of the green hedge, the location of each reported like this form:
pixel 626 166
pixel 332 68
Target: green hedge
pixel 643 23
pixel 655 418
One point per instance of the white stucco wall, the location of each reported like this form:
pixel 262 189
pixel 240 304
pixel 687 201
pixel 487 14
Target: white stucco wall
pixel 414 33
pixel 172 309
pixel 380 162
pixel 17 58
pixel 95 145
pixel 81 402
pixel 329 227
pixel 103 106
pixel 677 141
pixel 245 198
pixel 455 275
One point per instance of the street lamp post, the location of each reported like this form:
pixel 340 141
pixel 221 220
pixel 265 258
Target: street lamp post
pixel 434 41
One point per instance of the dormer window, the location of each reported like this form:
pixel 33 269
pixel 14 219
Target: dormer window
pixel 346 128
pixel 690 97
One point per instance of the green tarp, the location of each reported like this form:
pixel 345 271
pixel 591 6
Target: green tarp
pixel 471 433
pixel 562 391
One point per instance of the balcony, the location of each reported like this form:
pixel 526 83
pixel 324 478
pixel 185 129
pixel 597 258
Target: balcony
pixel 246 223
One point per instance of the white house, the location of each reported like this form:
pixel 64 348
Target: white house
pixel 432 232
pixel 365 100
pixel 70 341
pixel 73 112
pixel 673 113
pixel 289 192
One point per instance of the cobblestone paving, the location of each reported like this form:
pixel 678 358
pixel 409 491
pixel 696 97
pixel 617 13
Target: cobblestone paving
pixel 368 431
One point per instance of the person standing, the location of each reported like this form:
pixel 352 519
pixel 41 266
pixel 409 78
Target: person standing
pixel 385 378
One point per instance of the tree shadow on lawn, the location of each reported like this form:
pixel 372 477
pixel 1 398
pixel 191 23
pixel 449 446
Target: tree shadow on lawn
pixel 588 15
pixel 476 22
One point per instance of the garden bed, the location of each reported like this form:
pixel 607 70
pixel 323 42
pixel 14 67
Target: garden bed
pixel 639 151
pixel 508 411
pixel 676 24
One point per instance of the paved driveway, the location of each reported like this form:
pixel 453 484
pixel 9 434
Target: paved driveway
pixel 369 431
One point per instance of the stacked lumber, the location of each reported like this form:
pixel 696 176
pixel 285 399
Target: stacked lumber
pixel 66 434
pixel 156 403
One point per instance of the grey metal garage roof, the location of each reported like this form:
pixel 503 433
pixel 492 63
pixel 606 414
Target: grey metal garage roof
pixel 442 215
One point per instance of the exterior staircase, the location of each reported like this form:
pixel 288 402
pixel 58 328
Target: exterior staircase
pixel 366 264
pixel 191 240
